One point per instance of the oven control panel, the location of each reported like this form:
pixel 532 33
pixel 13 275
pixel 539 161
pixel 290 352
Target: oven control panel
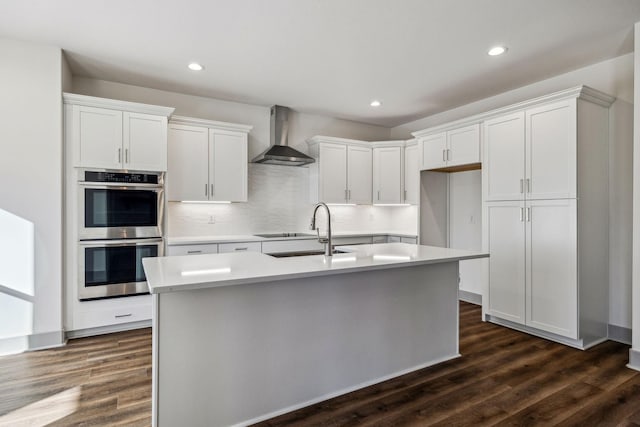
pixel 123 177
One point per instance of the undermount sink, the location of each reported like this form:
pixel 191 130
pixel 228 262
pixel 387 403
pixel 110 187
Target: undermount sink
pixel 276 235
pixel 303 253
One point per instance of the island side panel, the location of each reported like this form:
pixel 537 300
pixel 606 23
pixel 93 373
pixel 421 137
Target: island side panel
pixel 243 353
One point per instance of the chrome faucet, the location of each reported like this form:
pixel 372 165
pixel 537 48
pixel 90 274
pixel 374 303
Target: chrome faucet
pixel 328 248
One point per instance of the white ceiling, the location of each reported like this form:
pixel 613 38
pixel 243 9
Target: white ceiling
pixel 331 57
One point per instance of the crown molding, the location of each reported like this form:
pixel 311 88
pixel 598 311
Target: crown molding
pixel 579 92
pixel 191 121
pixel 113 104
pixel 335 140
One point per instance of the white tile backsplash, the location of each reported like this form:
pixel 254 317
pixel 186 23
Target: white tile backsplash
pixel 279 202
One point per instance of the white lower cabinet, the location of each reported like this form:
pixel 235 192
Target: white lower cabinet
pixel 533 270
pixel 240 247
pixel 208 248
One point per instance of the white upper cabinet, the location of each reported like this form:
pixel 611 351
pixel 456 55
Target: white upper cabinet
pixel 504 157
pixel 342 171
pixel 387 175
pixel 207 160
pixel 550 169
pixel 411 174
pixel 228 165
pixel 188 176
pixel 359 179
pixel 434 151
pixel 332 173
pixel 450 148
pixel 144 141
pixel 532 154
pixel 109 134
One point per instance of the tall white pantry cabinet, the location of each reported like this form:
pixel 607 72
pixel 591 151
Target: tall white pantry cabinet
pixel 545 191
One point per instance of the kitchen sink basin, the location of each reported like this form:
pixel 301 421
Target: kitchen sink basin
pixel 302 253
pixel 276 235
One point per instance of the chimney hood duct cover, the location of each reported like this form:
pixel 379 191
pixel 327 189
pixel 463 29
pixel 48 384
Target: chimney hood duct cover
pixel 279 152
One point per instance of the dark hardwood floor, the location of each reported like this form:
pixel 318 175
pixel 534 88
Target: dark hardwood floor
pixel 503 378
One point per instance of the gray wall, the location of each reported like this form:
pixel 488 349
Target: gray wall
pixel 31 189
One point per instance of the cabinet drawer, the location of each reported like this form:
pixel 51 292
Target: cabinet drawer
pixel 210 248
pixel 379 239
pixel 240 247
pixel 291 246
pixel 412 240
pixel 111 316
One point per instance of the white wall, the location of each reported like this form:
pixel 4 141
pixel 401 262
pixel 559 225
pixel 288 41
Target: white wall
pixel 31 184
pixel 634 353
pixel 615 77
pixel 278 195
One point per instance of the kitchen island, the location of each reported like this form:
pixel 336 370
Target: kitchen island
pixel 242 337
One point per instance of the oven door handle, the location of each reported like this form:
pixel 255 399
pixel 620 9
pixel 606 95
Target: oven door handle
pixel 127 185
pixel 120 242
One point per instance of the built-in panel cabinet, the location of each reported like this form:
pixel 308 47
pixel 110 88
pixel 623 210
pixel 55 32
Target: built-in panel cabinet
pixel 450 148
pixel 207 161
pixel 117 135
pixel 545 192
pixel 342 173
pixel 411 173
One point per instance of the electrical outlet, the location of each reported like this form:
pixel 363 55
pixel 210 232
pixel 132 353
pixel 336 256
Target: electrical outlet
pixel 212 219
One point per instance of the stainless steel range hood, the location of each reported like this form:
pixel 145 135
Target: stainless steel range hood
pixel 279 152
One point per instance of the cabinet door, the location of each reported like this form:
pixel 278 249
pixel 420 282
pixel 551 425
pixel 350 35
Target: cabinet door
pixel 228 166
pixel 434 151
pixel 507 260
pixel 551 151
pixel 98 138
pixel 411 175
pixel 145 142
pixel 359 175
pixel 504 157
pixel 188 167
pixel 552 282
pixel 332 173
pixel 387 175
pixel 463 145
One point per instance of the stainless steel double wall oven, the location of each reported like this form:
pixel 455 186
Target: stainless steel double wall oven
pixel 120 222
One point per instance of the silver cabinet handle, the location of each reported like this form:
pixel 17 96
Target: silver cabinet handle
pixel 119 155
pixel 378 194
pixel 444 155
pixel 405 194
pixel 194 252
pixel 448 154
pixel 349 198
pixel 521 185
pixel 346 197
pixel 206 190
pixel 212 190
pixel 528 185
pixel 120 316
pixel 241 249
pixel 521 214
pixel 126 155
pixel 528 214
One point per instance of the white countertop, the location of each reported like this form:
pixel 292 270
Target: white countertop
pixel 191 240
pixel 180 273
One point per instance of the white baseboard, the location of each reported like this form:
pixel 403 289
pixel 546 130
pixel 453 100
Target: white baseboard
pixel 80 333
pixel 41 341
pixel 619 334
pixel 470 297
pixel 634 359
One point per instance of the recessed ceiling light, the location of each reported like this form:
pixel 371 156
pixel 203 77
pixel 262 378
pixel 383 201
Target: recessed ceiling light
pixel 497 50
pixel 194 66
pixel 375 103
